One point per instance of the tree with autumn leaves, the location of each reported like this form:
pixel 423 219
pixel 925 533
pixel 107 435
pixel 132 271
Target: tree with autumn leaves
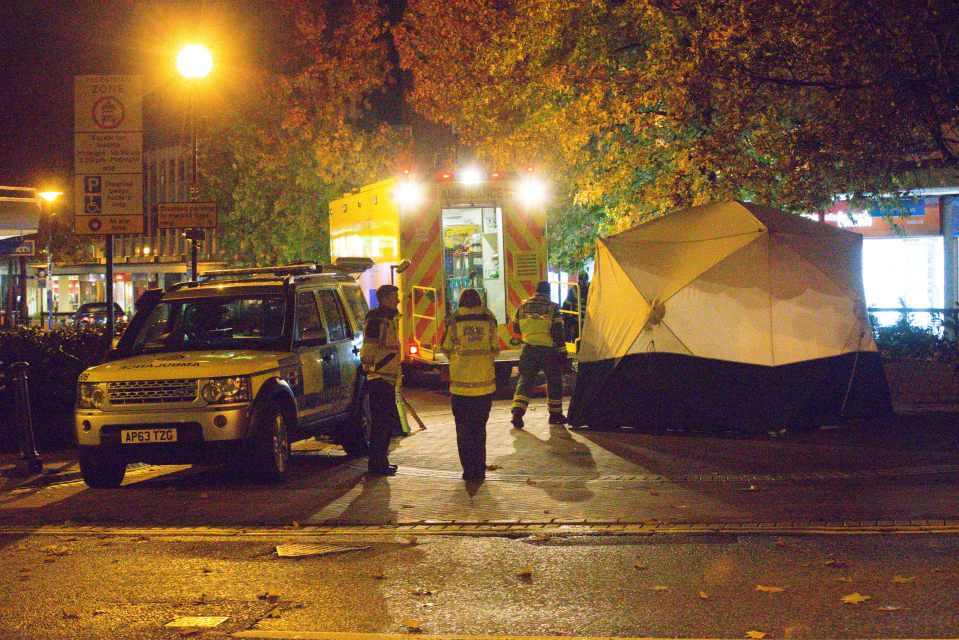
pixel 631 107
pixel 637 107
pixel 305 133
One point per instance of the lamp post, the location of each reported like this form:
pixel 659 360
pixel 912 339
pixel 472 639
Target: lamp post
pixel 49 196
pixel 194 63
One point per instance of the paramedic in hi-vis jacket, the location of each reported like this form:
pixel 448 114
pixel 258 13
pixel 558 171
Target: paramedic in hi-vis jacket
pixel 538 321
pixel 380 356
pixel 471 343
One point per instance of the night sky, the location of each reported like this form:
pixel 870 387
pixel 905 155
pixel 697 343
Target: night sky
pixel 45 43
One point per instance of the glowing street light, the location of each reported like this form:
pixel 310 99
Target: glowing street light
pixel 194 62
pixel 49 196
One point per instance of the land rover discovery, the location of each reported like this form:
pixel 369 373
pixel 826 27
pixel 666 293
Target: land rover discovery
pixel 234 366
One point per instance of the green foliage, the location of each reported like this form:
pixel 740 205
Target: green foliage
pixel 56 359
pixel 905 340
pixel 304 136
pixel 641 107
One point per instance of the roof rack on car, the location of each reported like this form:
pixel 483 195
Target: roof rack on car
pixel 285 270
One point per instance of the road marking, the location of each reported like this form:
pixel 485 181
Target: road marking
pixel 324 635
pixel 330 635
pixel 502 529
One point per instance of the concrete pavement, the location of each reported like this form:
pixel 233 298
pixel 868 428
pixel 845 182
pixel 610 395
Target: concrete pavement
pixel 545 475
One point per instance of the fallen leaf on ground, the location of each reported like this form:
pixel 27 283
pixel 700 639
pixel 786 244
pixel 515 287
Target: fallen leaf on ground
pixel 797 631
pixel 540 537
pixel 855 598
pixel 25 569
pixel 493 467
pixel 766 589
pixel 295 525
pixel 889 607
pixel 411 540
pixel 412 625
pixel 903 579
pixel 843 579
pixel 525 572
pixel 832 562
pixel 757 635
pixel 270 595
pixel 71 613
pixel 305 550
pixel 56 550
pixel 641 566
pixel 660 587
pixel 206 570
pixel 379 575
pixel 703 595
pixel 422 591
pixel 780 542
pixel 204 495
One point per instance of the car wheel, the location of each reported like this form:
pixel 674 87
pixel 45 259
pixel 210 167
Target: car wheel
pixel 356 431
pixel 271 446
pixel 101 470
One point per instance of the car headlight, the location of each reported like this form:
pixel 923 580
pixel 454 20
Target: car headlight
pixel 226 390
pixel 90 395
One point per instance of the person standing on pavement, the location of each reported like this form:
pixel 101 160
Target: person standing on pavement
pixel 539 323
pixel 380 356
pixel 471 343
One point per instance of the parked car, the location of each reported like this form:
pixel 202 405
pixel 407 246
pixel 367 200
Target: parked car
pixel 96 313
pixel 236 367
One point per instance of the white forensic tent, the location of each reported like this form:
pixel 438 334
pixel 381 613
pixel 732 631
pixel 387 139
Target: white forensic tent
pixel 728 315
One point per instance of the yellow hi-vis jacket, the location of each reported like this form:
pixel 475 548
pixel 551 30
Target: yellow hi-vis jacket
pixel 380 353
pixel 471 343
pixel 538 321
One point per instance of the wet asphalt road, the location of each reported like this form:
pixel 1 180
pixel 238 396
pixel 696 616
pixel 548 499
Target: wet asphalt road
pixel 122 584
pixel 656 586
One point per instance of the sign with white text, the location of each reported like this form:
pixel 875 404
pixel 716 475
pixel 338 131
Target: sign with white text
pixel 18 248
pixel 186 215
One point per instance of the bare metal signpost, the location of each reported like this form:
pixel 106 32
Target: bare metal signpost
pixel 108 161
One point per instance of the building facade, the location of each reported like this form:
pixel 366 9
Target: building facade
pixel 156 258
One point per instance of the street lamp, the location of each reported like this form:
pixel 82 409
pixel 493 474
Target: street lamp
pixel 49 196
pixel 194 63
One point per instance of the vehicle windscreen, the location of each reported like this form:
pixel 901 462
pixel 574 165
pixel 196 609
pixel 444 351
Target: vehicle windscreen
pixel 213 323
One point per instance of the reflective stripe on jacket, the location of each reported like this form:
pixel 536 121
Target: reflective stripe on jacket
pixel 538 321
pixel 471 343
pixel 380 353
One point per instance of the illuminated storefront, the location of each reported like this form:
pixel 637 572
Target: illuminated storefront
pixel 909 259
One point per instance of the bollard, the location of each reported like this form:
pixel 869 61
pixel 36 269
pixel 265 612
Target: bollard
pixel 30 461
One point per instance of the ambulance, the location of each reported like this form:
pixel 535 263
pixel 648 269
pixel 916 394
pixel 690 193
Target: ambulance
pixel 434 237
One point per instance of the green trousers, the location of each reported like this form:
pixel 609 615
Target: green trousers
pixel 532 360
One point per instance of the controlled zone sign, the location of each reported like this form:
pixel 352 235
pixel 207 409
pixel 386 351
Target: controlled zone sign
pixel 186 215
pixel 17 248
pixel 108 154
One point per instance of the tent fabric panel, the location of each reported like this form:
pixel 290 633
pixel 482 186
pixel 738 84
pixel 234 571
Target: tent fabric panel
pixel 656 338
pixel 812 317
pixel 660 269
pixel 695 224
pixel 840 258
pixel 724 313
pixel 663 390
pixel 615 311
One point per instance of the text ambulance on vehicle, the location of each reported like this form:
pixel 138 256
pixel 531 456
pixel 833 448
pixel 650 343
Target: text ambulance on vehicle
pixel 435 237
